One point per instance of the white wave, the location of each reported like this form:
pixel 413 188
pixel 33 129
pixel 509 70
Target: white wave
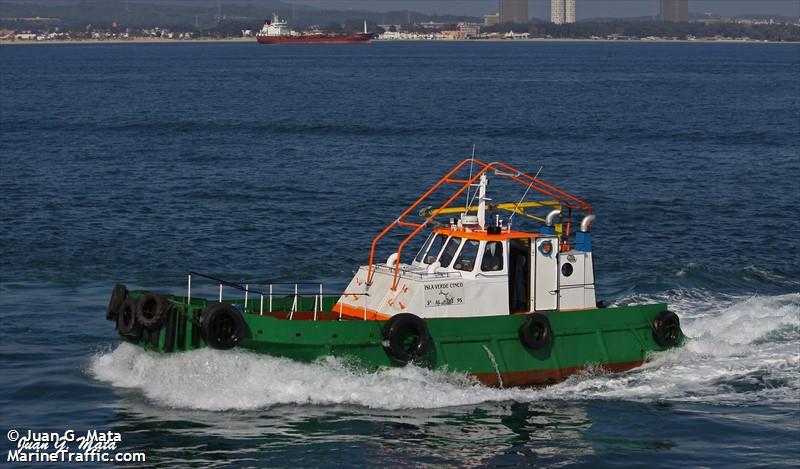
pixel 729 359
pixel 685 270
pixel 770 275
pixel 218 380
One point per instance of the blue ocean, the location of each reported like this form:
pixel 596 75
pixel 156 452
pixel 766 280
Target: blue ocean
pixel 137 163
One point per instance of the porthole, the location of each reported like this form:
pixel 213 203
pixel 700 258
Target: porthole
pixel 566 269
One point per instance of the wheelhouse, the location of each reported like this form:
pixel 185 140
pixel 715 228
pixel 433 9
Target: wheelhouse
pixel 468 267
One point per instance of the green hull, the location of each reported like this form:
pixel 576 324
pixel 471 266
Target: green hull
pixel 488 348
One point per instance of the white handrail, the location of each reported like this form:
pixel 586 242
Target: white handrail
pixel 294 303
pixel 320 297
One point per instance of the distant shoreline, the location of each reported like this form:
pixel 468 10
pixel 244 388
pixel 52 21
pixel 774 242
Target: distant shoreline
pixel 142 40
pixel 635 41
pixel 136 40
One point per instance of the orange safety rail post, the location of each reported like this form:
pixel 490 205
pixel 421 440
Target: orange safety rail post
pixel 547 189
pixel 551 194
pixel 551 191
pixel 409 224
pixel 427 220
pixel 517 176
pixel 403 215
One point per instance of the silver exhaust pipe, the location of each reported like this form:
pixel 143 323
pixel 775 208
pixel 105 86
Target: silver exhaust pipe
pixel 550 218
pixel 586 223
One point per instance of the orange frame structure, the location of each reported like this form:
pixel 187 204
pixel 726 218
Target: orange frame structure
pixel 500 169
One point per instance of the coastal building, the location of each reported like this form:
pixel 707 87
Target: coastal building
pixel 405 36
pixel 470 29
pixel 454 35
pixel 674 10
pixel 391 27
pixel 570 7
pixel 562 11
pixel 491 19
pixel 513 11
pixel 433 24
pixel 513 35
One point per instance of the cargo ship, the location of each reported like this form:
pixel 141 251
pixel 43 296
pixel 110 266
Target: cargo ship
pixel 277 31
pixel 508 305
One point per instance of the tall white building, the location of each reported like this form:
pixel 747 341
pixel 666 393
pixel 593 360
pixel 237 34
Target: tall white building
pixel 557 13
pixel 562 11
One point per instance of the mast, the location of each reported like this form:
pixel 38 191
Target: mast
pixel 482 201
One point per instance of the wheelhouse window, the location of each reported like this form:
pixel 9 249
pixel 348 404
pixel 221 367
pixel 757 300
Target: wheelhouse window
pixel 432 249
pixel 466 258
pixel 449 251
pixel 492 257
pixel 424 249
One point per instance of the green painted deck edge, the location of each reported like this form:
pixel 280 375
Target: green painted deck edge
pixel 614 338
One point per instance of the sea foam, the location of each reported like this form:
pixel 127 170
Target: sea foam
pixel 741 351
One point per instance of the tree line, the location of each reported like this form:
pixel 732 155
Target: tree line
pixel 640 29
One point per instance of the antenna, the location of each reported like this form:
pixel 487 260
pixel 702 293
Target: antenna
pixel 523 198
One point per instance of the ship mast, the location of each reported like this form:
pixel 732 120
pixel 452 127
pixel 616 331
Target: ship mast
pixel 482 201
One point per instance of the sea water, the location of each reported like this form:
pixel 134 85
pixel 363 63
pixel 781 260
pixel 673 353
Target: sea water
pixel 138 163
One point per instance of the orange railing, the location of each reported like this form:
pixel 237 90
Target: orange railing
pixel 500 169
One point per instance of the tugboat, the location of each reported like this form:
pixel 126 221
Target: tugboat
pixel 277 31
pixel 507 306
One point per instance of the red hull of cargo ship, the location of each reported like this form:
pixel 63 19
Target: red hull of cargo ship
pixel 358 38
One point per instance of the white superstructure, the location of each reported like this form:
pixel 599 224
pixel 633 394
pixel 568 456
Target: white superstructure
pixel 276 27
pixel 474 268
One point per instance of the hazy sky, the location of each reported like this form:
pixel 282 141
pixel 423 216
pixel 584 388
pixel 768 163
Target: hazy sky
pixel 585 8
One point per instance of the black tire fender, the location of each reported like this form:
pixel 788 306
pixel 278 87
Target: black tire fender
pixel 222 326
pixel 127 326
pixel 152 310
pixel 667 329
pixel 118 295
pixel 535 332
pixel 397 332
